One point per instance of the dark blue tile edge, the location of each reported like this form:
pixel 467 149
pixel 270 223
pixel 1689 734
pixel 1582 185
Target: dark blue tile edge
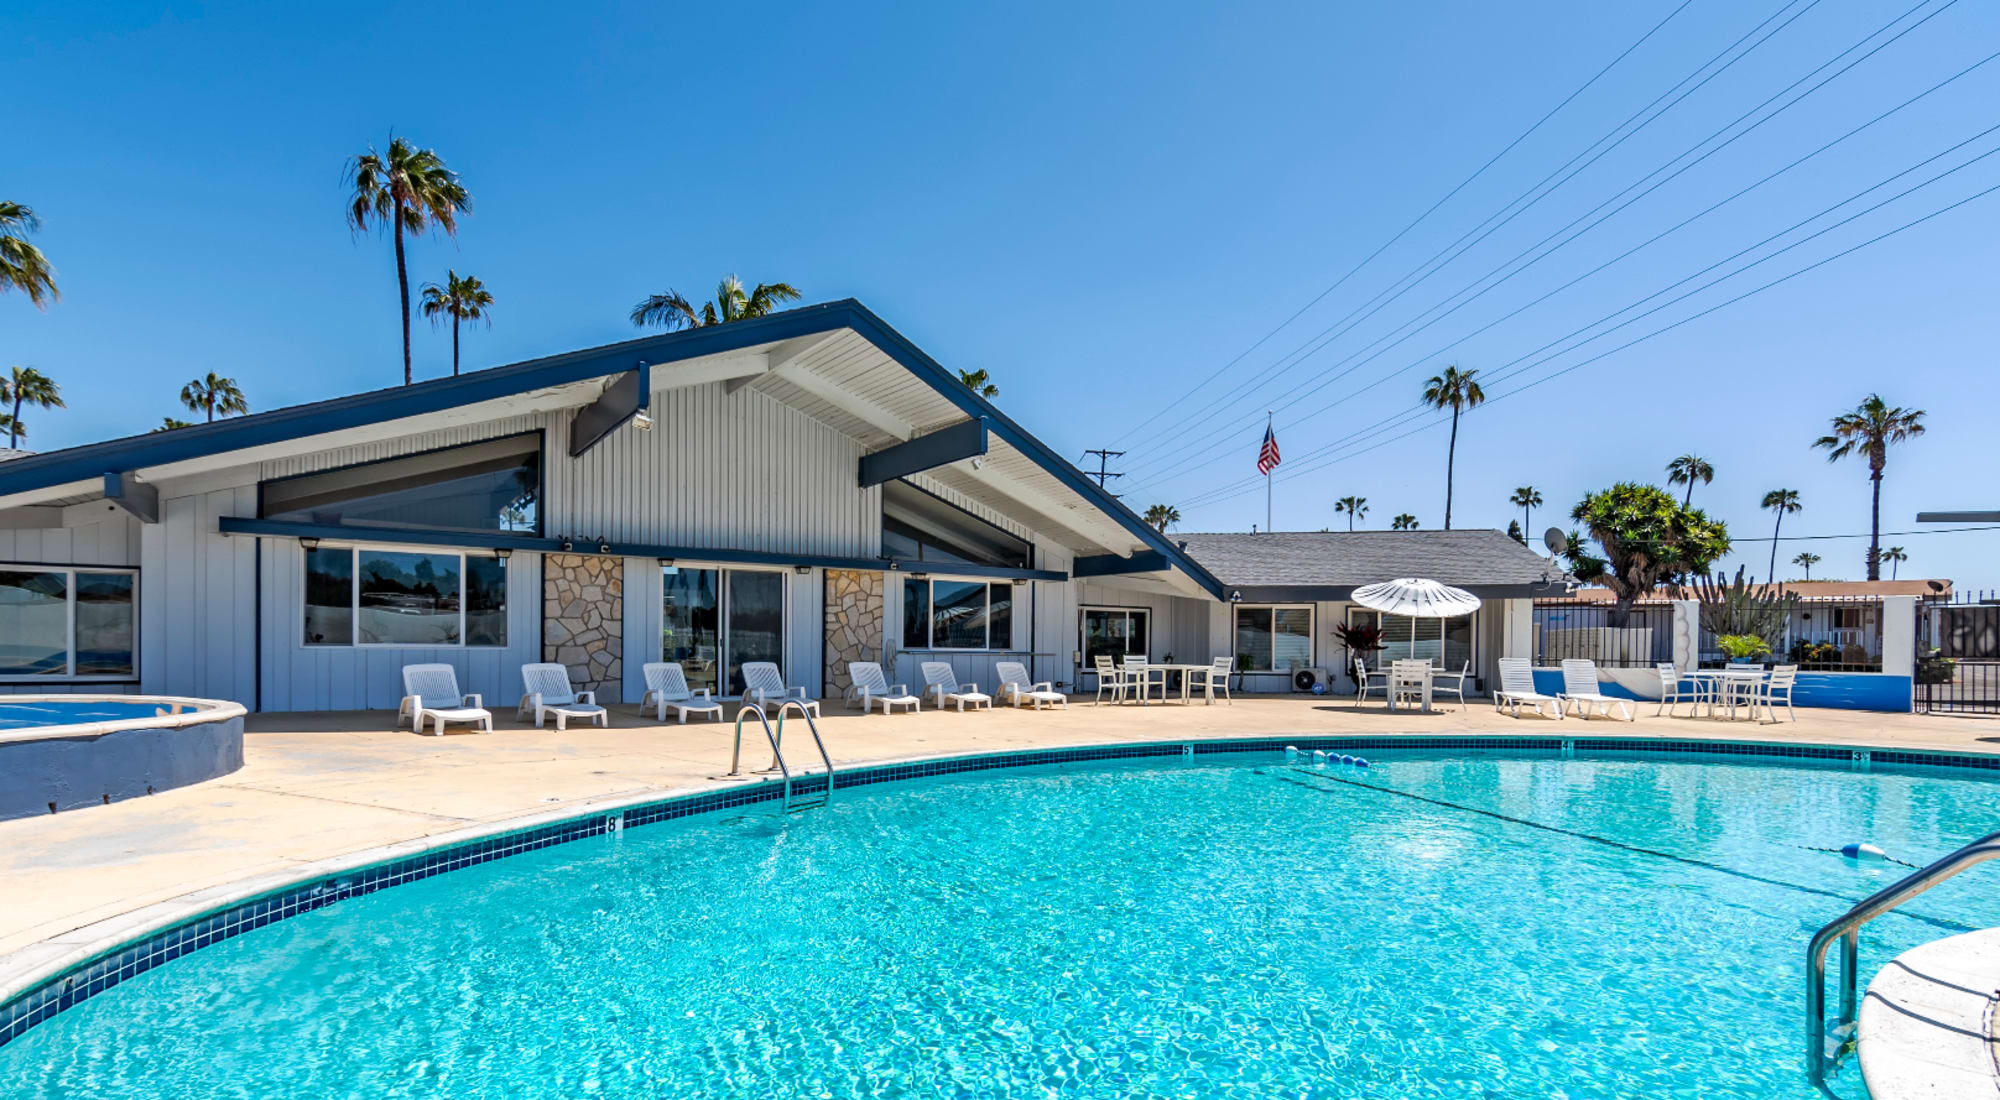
pixel 94 976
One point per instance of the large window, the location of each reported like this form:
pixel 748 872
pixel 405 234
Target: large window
pixel 62 623
pixel 363 595
pixel 494 485
pixel 917 526
pixel 714 621
pixel 947 614
pixel 1446 643
pixel 1276 639
pixel 1114 632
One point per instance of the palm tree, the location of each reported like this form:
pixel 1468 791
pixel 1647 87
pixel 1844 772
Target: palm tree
pixel 1527 498
pixel 1454 390
pixel 168 423
pixel 22 265
pixel 1403 522
pixel 980 383
pixel 673 311
pixel 461 300
pixel 1866 432
pixel 1895 556
pixel 408 191
pixel 214 394
pixel 1355 507
pixel 7 425
pixel 1806 561
pixel 1162 516
pixel 27 386
pixel 1784 502
pixel 1688 469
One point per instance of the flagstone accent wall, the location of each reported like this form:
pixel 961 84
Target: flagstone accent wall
pixel 853 624
pixel 583 624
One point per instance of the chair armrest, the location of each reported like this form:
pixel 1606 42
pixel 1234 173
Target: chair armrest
pixel 968 688
pixel 587 697
pixel 899 689
pixel 532 699
pixel 705 693
pixel 1045 685
pixel 473 700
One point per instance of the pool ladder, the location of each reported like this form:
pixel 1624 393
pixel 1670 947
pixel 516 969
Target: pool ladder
pixel 1847 929
pixel 789 803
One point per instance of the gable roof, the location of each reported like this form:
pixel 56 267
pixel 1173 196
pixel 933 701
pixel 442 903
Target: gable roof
pixel 1329 565
pixel 944 399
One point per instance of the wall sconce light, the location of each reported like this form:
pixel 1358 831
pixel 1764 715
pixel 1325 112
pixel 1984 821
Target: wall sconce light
pixel 802 570
pixel 603 547
pixel 567 544
pixel 642 421
pixel 308 543
pixel 1236 596
pixel 503 552
pixel 1020 582
pixel 666 563
pixel 978 461
pixel 893 567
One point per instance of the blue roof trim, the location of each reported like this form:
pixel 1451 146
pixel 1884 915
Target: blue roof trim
pixel 92 461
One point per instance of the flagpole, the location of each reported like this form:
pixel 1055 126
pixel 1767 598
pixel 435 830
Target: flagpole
pixel 1268 422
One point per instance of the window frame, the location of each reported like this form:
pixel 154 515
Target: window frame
pixel 1083 627
pixel 69 639
pixel 354 550
pixel 541 476
pixel 1471 628
pixel 726 667
pixel 930 582
pixel 1312 635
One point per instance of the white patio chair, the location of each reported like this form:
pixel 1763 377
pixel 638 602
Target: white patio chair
pixel 1362 686
pixel 1451 683
pixel 1139 678
pixel 550 692
pixel 1517 686
pixel 1580 687
pixel 765 686
pixel 871 688
pixel 1214 678
pixel 942 680
pixel 1110 678
pixel 1673 695
pixel 1408 679
pixel 667 686
pixel 431 691
pixel 1781 681
pixel 1016 688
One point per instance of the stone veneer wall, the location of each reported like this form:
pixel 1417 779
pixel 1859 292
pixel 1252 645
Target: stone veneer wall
pixel 853 625
pixel 583 620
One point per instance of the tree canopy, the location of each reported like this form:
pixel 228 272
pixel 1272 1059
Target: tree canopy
pixel 1647 538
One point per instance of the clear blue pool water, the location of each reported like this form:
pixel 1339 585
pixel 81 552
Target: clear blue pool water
pixel 1185 929
pixel 14 716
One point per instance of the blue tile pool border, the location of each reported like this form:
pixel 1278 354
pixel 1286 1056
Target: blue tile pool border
pixel 93 976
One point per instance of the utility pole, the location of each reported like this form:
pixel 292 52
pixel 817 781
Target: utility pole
pixel 1103 474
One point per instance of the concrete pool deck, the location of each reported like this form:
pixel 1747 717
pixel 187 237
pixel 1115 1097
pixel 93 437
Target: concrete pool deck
pixel 320 793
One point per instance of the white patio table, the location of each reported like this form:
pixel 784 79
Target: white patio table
pixel 1187 673
pixel 1729 687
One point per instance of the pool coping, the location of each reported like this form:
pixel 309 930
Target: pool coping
pixel 46 978
pixel 1927 1022
pixel 200 711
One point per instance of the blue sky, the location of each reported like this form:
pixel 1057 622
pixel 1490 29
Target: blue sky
pixel 1103 205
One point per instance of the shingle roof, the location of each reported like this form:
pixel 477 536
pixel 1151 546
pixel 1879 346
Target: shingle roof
pixel 1479 559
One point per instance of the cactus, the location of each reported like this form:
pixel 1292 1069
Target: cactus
pixel 1741 607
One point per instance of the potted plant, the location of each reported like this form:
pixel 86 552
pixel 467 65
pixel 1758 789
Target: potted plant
pixel 1242 666
pixel 1743 649
pixel 1358 638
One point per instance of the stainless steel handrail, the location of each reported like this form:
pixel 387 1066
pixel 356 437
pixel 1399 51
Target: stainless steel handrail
pixel 818 742
pixel 736 753
pixel 1847 929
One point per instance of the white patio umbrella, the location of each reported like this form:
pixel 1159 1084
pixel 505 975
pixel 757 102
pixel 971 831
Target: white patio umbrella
pixel 1417 598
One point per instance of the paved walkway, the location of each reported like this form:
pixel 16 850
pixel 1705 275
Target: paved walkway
pixel 319 792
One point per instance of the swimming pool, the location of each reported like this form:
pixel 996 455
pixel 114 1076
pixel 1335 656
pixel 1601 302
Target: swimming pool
pixel 66 752
pixel 63 712
pixel 1222 926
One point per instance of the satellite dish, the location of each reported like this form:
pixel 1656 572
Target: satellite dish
pixel 1555 540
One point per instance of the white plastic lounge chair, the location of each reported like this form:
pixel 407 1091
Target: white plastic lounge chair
pixel 431 691
pixel 1451 683
pixel 941 680
pixel 765 686
pixel 1672 694
pixel 550 692
pixel 667 686
pixel 1016 688
pixel 1781 681
pixel 1110 678
pixel 871 688
pixel 1580 688
pixel 1213 679
pixel 1517 686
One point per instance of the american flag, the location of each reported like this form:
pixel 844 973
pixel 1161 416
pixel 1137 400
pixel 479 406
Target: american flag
pixel 1267 456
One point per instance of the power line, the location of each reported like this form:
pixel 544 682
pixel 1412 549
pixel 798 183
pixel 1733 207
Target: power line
pixel 1869 534
pixel 1400 234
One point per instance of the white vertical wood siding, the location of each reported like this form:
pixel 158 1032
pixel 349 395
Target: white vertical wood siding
pixel 198 596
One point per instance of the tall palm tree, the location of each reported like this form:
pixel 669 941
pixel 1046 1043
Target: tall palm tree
pixel 1895 556
pixel 1806 561
pixel 1867 432
pixel 461 300
pixel 1784 502
pixel 672 310
pixel 22 265
pixel 1163 516
pixel 1527 498
pixel 1454 390
pixel 1688 469
pixel 7 425
pixel 979 382
pixel 1403 522
pixel 214 394
pixel 408 191
pixel 1355 507
pixel 27 386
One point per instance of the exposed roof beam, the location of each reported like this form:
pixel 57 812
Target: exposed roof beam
pixel 135 496
pixel 875 416
pixel 1094 526
pixel 1111 565
pixel 925 452
pixel 621 400
pixel 783 354
pixel 731 370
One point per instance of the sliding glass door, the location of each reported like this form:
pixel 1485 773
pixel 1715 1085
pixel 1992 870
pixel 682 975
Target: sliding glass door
pixel 691 624
pixel 756 622
pixel 713 621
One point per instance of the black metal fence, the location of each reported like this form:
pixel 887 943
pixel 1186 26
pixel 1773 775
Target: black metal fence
pixel 1958 656
pixel 1588 630
pixel 1821 634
